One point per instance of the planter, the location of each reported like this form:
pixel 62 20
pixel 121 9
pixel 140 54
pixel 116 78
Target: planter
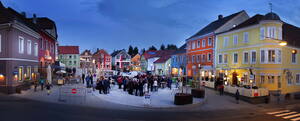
pixel 183 99
pixel 198 93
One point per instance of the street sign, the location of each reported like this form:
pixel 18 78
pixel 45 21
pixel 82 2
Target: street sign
pixel 74 91
pixel 147 99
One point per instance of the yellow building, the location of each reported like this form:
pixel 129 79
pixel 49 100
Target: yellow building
pixel 262 52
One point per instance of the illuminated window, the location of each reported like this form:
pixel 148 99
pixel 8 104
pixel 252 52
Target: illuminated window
pixel 20 73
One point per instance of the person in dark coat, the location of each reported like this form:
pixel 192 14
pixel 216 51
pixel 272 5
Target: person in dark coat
pixel 100 85
pixel 91 80
pixel 141 87
pixel 170 83
pixel 237 96
pixel 124 84
pixel 87 79
pixel 83 77
pixel 120 81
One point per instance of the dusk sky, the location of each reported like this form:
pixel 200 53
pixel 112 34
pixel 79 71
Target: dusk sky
pixel 116 24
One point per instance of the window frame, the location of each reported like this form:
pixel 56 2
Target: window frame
pixel 21 41
pixel 237 58
pixel 246 38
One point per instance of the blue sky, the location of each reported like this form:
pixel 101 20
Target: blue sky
pixel 116 24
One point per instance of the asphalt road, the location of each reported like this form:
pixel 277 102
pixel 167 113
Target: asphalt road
pixel 16 109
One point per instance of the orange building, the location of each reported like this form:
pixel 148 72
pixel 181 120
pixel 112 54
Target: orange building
pixel 201 46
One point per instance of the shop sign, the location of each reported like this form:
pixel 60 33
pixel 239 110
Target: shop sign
pixel 251 77
pixel 15 72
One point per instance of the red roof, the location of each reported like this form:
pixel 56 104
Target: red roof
pixel 162 59
pixel 68 49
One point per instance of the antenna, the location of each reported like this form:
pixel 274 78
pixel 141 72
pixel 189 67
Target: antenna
pixel 270 4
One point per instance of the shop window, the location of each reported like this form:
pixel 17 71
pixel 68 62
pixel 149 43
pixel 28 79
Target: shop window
pixel 28 72
pixel 20 73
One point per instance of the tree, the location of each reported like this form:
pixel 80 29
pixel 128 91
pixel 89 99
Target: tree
pixel 143 51
pixel 130 50
pixel 152 48
pixel 171 47
pixel 162 47
pixel 135 51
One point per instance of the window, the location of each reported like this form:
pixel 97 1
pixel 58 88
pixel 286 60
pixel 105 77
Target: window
pixel 70 62
pixel 28 74
pixel 220 58
pixel 225 58
pixel 198 45
pixel 289 80
pixel 262 56
pixel 225 44
pixel 294 59
pixel 235 39
pixel 262 33
pixel 246 37
pixel 253 57
pixel 194 45
pixel 271 56
pixel 235 58
pixel 203 58
pixel 203 43
pixel 262 79
pixel 74 62
pixel 193 59
pixel 279 56
pixel 271 79
pixel 36 49
pixel 280 33
pixel 198 58
pixel 29 47
pixel 209 57
pixel 42 44
pixel 272 32
pixel 297 78
pixel 246 57
pixel 209 41
pixel 21 45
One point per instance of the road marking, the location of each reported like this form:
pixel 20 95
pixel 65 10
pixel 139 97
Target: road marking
pixel 284 114
pixel 291 116
pixel 296 119
pixel 271 113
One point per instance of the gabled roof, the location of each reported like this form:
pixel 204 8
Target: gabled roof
pixel 215 25
pixel 251 21
pixel 101 51
pixel 86 51
pixel 68 49
pixel 150 54
pixel 162 59
pixel 8 15
pixel 291 34
pixel 116 52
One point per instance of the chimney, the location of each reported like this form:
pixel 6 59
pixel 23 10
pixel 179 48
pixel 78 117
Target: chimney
pixel 220 17
pixel 34 18
pixel 23 14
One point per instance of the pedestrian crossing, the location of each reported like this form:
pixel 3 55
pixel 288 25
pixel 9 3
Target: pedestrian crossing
pixel 286 114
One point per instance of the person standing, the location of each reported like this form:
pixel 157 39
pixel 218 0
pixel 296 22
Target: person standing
pixel 83 77
pixel 48 87
pixel 237 96
pixel 155 85
pixel 124 84
pixel 120 81
pixel 170 83
pixel 87 79
pixel 35 85
pixel 42 81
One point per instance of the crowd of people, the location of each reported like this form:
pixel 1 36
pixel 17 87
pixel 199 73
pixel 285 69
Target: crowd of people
pixel 138 85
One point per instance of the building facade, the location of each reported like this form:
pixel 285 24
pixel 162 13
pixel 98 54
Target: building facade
pixel 200 47
pixel 69 55
pixel 136 62
pixel 178 62
pixel 162 66
pixel 121 60
pixel 86 62
pixel 18 50
pixel 103 60
pixel 255 53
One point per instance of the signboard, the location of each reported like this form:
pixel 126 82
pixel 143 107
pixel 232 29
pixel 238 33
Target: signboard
pixel 147 99
pixel 74 91
pixel 15 72
pixel 251 77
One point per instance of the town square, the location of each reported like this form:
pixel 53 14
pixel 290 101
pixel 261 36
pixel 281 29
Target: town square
pixel 149 60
